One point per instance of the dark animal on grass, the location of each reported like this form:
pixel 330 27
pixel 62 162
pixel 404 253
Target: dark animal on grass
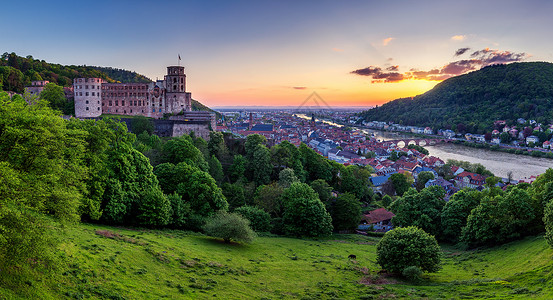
pixel 352 256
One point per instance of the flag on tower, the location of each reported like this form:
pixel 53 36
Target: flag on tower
pixel 179 56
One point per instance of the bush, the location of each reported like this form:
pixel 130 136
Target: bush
pixel 306 217
pixel 260 220
pixel 412 273
pixel 154 209
pixel 408 247
pixel 229 226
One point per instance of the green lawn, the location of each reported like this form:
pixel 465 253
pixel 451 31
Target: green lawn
pixel 143 264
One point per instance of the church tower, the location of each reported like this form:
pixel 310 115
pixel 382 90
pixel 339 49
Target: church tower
pixel 177 99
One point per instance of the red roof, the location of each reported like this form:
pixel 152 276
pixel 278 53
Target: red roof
pixel 378 215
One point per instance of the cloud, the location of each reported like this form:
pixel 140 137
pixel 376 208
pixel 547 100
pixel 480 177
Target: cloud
pixel 379 76
pixel 299 87
pixel 478 59
pixel 386 41
pixel 337 50
pixel 458 38
pixel 461 51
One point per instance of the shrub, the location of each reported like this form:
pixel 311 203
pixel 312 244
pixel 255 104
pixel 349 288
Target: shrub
pixel 229 226
pixel 412 273
pixel 260 220
pixel 306 217
pixel 408 247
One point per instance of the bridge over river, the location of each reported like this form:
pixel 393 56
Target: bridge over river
pixel 418 141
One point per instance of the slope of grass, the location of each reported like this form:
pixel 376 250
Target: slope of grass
pixel 100 262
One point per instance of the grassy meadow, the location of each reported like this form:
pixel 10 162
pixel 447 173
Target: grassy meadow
pixel 101 262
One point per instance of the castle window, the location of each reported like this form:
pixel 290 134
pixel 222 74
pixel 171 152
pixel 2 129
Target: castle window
pixel 98 108
pixel 153 110
pixel 174 88
pixel 116 103
pixel 131 111
pixel 98 102
pixel 86 101
pixel 123 102
pixel 93 94
pixel 110 103
pixel 87 108
pixel 182 88
pixel 160 110
pixel 174 80
pixel 86 87
pixel 182 80
pixel 86 94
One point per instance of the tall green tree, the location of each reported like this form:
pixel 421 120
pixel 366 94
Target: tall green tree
pixel 345 212
pixel 55 96
pixel 421 209
pixel 260 165
pixel 423 178
pixel 455 213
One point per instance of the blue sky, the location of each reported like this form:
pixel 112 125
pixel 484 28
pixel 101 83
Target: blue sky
pixel 279 52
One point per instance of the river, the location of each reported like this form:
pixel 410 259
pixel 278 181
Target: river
pixel 499 163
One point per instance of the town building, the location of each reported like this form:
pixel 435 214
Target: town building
pixel 36 87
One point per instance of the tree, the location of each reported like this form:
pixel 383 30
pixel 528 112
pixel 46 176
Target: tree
pixel 154 209
pixel 181 149
pixel 55 96
pixel 237 169
pixel 386 201
pixel 261 166
pixel 140 124
pixel 402 248
pixel 286 177
pixel 400 183
pixel 499 219
pixel 505 137
pixel 229 226
pixel 455 213
pixel 234 193
pixel 323 189
pixel 315 165
pixel 355 180
pixel 423 178
pixel 260 220
pixel 180 211
pixel 269 197
pixel 306 217
pixel 421 209
pixel 215 169
pixel 345 212
pixel 548 220
pixel 216 146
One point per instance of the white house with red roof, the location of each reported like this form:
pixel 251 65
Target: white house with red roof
pixel 469 179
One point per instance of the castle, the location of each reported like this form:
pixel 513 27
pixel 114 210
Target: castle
pixel 94 97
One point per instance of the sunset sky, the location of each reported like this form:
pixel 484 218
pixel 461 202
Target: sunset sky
pixel 272 53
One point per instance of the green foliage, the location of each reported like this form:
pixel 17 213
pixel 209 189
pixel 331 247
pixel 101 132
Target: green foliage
pixel 306 217
pixel 286 177
pixel 421 209
pixel 260 220
pixel 412 273
pixel 345 212
pixel 548 220
pixel 260 166
pixel 386 201
pixel 287 155
pixel 215 169
pixel 269 197
pixel 195 186
pixel 315 166
pixel 41 171
pixel 406 247
pixel 216 145
pixel 234 193
pixel 154 209
pixel 421 149
pixel 140 124
pixel 180 211
pixel 499 219
pixel 400 183
pixel 323 189
pixel 229 226
pixel 455 213
pixel 471 167
pixel 423 178
pixel 355 180
pixel 477 99
pixel 181 149
pixel 237 169
pixel 55 96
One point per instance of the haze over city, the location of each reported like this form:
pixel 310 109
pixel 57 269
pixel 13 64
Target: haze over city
pixel 277 53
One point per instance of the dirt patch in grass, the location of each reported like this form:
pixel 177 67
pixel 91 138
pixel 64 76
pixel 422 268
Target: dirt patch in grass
pixel 116 236
pixel 378 280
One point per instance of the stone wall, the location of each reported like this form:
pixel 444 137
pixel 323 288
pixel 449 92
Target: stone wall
pixel 181 128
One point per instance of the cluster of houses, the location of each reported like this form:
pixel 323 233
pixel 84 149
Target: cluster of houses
pixel 353 147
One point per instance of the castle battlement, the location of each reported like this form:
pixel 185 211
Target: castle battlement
pixel 94 96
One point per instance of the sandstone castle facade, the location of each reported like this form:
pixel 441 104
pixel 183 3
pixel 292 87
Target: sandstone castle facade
pixel 94 96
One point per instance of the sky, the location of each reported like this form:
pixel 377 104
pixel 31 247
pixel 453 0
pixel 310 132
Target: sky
pixel 277 53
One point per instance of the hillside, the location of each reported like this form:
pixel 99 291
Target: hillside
pixel 118 263
pixel 477 99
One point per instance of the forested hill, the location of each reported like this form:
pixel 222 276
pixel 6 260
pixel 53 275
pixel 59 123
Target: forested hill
pixel 477 99
pixel 123 75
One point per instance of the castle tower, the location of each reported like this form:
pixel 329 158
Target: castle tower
pixel 88 99
pixel 177 99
